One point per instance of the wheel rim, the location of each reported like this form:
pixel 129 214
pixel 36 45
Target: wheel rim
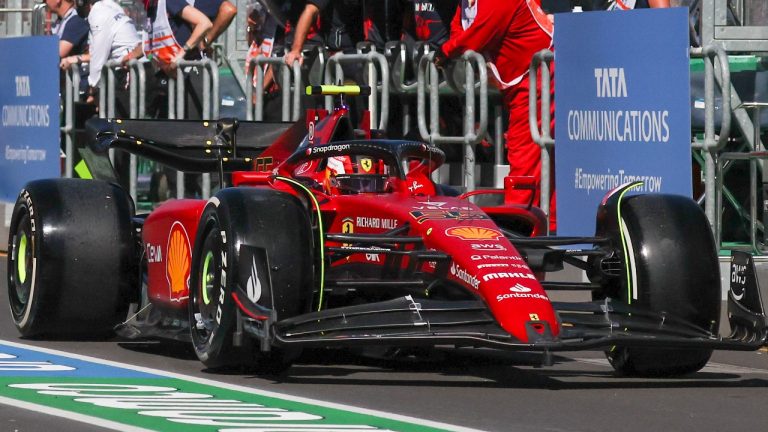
pixel 22 267
pixel 206 300
pixel 206 279
pixel 21 259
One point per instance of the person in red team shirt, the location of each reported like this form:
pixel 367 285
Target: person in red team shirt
pixel 508 33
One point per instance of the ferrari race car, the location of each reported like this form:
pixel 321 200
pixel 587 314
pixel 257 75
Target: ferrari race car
pixel 331 236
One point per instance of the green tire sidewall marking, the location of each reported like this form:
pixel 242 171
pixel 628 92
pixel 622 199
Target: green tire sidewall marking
pixel 21 259
pixel 321 235
pixel 204 279
pixel 624 240
pixel 330 416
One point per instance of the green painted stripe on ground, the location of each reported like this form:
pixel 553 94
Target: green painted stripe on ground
pixel 180 414
pixel 163 401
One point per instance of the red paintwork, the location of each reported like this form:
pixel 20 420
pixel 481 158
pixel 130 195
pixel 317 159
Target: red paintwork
pixel 155 236
pixel 483 260
pixel 491 267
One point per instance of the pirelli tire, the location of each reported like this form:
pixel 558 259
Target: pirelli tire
pixel 71 261
pixel 240 228
pixel 675 261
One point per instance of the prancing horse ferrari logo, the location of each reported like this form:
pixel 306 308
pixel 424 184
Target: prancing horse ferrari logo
pixel 366 164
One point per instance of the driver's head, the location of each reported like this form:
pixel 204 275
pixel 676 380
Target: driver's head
pixel 357 174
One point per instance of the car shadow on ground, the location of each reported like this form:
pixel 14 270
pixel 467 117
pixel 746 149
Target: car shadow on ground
pixel 450 368
pixel 165 348
pixel 488 370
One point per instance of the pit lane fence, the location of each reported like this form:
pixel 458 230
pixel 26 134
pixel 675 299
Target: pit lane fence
pixel 467 79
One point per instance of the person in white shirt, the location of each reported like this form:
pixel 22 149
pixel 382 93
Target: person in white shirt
pixel 113 36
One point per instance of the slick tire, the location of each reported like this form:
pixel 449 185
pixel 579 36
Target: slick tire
pixel 238 227
pixel 677 271
pixel 71 263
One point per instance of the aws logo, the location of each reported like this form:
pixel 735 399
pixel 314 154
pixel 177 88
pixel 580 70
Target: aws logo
pixel 178 262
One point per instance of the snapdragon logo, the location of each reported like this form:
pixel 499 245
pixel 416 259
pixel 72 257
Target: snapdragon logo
pixel 328 148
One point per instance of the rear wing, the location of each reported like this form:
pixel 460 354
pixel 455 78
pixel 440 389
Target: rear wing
pixel 191 145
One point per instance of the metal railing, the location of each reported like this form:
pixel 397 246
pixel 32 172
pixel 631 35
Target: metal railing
pixel 71 95
pixel 475 120
pixel 714 143
pixel 210 105
pixel 137 102
pixel 378 79
pixel 290 88
pixel 542 137
pixel 474 126
pixel 20 21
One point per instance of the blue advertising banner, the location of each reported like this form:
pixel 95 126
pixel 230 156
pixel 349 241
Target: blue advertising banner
pixel 29 102
pixel 622 108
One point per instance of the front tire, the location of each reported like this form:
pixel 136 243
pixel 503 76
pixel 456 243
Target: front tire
pixel 676 270
pixel 265 223
pixel 71 260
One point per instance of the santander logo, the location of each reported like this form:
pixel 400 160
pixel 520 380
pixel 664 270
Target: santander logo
pixel 520 288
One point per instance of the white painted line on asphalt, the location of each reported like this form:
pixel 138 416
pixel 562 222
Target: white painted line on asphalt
pixel 726 368
pixel 82 418
pixel 300 399
pixel 711 367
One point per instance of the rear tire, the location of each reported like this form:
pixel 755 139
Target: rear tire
pixel 71 262
pixel 677 271
pixel 274 223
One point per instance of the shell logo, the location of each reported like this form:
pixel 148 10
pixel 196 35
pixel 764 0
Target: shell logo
pixel 178 263
pixel 473 233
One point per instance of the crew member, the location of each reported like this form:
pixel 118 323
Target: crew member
pixel 508 33
pixel 113 37
pixel 72 31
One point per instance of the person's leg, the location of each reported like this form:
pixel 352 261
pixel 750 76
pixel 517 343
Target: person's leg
pixel 523 154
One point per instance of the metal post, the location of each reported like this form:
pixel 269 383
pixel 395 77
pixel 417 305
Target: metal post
pixel 469 126
pixel 379 114
pixel 207 115
pixel 543 138
pixel 475 77
pixel 713 143
pixel 72 78
pixel 290 90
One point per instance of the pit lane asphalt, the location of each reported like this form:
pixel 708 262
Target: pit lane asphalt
pixel 491 391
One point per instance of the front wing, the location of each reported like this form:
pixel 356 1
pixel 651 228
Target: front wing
pixel 406 321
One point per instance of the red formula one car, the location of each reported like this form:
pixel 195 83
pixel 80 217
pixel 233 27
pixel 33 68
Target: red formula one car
pixel 329 236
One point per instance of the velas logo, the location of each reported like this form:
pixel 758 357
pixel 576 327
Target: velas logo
pixel 253 286
pixel 473 233
pixel 303 168
pixel 178 263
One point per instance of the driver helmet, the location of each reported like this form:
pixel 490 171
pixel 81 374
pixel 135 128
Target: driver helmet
pixel 357 174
